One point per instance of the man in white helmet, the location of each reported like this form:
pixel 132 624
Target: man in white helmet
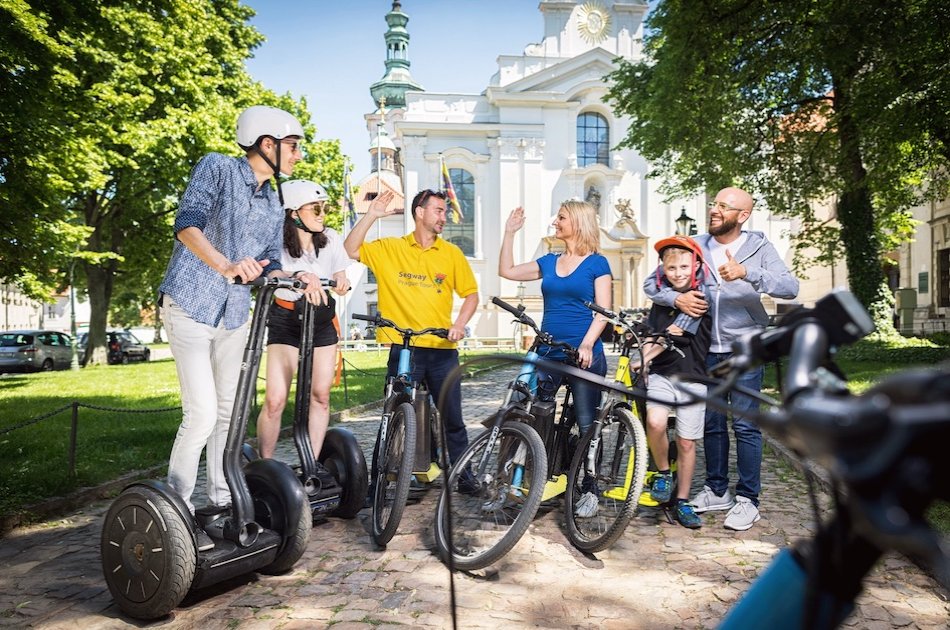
pixel 228 225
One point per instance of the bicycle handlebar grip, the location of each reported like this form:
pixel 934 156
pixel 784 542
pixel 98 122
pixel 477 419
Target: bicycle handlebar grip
pixel 600 310
pixel 517 312
pixel 365 318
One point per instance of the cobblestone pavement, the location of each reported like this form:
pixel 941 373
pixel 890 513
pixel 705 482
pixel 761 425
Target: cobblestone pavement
pixel 657 576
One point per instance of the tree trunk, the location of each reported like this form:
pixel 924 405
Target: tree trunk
pixel 856 217
pixel 99 286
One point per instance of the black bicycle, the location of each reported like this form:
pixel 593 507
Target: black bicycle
pixel 871 444
pixel 395 453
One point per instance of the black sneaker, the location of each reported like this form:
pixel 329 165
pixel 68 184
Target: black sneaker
pixel 205 543
pixel 467 484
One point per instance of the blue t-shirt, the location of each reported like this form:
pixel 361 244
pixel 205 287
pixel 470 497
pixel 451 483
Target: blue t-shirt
pixel 565 316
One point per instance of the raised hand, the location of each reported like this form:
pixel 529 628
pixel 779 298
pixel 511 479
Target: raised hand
pixel 380 206
pixel 515 220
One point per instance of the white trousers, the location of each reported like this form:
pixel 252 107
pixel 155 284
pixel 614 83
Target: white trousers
pixel 208 361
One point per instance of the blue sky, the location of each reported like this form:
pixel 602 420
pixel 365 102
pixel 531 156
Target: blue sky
pixel 331 51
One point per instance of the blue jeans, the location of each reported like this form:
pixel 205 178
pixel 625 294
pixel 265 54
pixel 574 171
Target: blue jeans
pixel 586 395
pixel 748 438
pixel 432 366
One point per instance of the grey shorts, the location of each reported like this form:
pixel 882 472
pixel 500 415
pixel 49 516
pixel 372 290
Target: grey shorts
pixel 691 419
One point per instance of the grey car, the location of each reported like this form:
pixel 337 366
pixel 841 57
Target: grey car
pixel 34 351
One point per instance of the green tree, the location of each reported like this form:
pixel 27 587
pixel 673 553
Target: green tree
pixel 800 101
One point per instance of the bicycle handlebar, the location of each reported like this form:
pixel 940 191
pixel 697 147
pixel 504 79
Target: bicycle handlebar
pixel 543 338
pixel 872 442
pixel 381 322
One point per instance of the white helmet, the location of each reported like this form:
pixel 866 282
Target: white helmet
pixel 298 192
pixel 261 120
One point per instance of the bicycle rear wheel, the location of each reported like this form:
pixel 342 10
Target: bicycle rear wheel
pixel 492 514
pixel 617 467
pixel 392 472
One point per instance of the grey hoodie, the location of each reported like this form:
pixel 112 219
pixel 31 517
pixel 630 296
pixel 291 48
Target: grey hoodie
pixel 736 306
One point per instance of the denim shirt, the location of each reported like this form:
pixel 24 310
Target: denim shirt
pixel 238 220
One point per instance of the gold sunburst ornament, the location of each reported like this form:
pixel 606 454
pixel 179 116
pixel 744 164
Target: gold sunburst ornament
pixel 593 22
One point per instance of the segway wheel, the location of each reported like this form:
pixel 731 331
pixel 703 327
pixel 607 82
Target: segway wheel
pixel 148 553
pixel 342 455
pixel 268 511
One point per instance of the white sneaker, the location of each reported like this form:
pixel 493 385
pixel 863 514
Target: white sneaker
pixel 742 515
pixel 707 501
pixel 587 506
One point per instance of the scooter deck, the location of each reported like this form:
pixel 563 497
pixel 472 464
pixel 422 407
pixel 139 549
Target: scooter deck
pixel 227 559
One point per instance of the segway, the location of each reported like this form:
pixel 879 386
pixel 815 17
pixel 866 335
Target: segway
pixel 150 556
pixel 338 486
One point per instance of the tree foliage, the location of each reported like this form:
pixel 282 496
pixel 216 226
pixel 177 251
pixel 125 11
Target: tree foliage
pixel 104 108
pixel 800 101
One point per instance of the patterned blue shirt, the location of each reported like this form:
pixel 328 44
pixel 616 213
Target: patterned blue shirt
pixel 238 220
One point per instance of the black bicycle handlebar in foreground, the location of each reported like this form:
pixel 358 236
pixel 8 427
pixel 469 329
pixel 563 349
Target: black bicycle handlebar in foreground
pixel 381 322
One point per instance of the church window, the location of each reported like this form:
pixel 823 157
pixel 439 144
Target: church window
pixel 462 233
pixel 593 139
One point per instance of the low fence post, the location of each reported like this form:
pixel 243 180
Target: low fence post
pixel 72 440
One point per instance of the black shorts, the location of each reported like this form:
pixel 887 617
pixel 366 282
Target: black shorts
pixel 283 327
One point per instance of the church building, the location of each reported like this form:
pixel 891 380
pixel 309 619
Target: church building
pixel 540 133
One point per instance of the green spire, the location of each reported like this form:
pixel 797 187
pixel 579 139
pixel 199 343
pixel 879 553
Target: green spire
pixel 397 80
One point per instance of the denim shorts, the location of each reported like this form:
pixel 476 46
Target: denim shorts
pixel 283 327
pixel 691 419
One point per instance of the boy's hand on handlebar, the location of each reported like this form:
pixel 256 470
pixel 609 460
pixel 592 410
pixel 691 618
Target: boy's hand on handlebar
pixel 246 269
pixel 693 303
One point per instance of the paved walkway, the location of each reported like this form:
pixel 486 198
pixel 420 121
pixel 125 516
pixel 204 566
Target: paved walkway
pixel 657 576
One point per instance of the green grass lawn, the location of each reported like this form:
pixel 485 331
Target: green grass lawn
pixel 128 434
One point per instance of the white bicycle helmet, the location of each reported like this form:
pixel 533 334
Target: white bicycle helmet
pixel 262 120
pixel 298 192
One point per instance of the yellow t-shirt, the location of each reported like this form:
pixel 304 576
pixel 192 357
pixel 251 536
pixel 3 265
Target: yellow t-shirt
pixel 416 285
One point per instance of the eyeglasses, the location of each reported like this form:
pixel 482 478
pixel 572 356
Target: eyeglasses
pixel 295 145
pixel 316 207
pixel 722 207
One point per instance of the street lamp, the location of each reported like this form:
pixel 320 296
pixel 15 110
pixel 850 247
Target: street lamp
pixel 74 362
pixel 684 223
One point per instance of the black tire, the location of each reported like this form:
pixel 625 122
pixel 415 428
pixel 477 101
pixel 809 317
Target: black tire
pixel 148 553
pixel 619 468
pixel 47 366
pixel 486 524
pixel 342 456
pixel 147 356
pixel 392 472
pixel 125 358
pixel 266 509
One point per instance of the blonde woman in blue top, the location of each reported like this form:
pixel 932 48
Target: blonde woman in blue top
pixel 579 274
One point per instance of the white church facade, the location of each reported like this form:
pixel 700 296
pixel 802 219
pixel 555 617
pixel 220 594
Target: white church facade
pixel 540 133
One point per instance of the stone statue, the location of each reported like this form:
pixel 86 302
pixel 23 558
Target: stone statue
pixel 624 210
pixel 593 197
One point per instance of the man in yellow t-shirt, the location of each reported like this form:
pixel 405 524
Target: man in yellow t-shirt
pixel 418 276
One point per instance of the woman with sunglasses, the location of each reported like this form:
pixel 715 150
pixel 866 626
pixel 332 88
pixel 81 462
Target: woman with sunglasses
pixel 311 251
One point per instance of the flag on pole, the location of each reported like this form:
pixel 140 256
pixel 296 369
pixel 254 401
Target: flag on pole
pixel 348 209
pixel 449 190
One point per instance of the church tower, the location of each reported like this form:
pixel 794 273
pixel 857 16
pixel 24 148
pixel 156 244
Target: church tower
pixel 397 80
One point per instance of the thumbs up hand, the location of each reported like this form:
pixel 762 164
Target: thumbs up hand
pixel 731 269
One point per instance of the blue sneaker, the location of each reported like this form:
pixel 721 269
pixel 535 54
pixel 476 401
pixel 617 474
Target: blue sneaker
pixel 686 515
pixel 662 487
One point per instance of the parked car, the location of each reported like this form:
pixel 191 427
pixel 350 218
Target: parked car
pixel 34 350
pixel 122 346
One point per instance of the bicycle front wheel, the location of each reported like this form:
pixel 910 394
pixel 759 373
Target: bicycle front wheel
pixel 392 472
pixel 604 482
pixel 496 488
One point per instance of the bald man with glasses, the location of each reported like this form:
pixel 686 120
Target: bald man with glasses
pixel 744 266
